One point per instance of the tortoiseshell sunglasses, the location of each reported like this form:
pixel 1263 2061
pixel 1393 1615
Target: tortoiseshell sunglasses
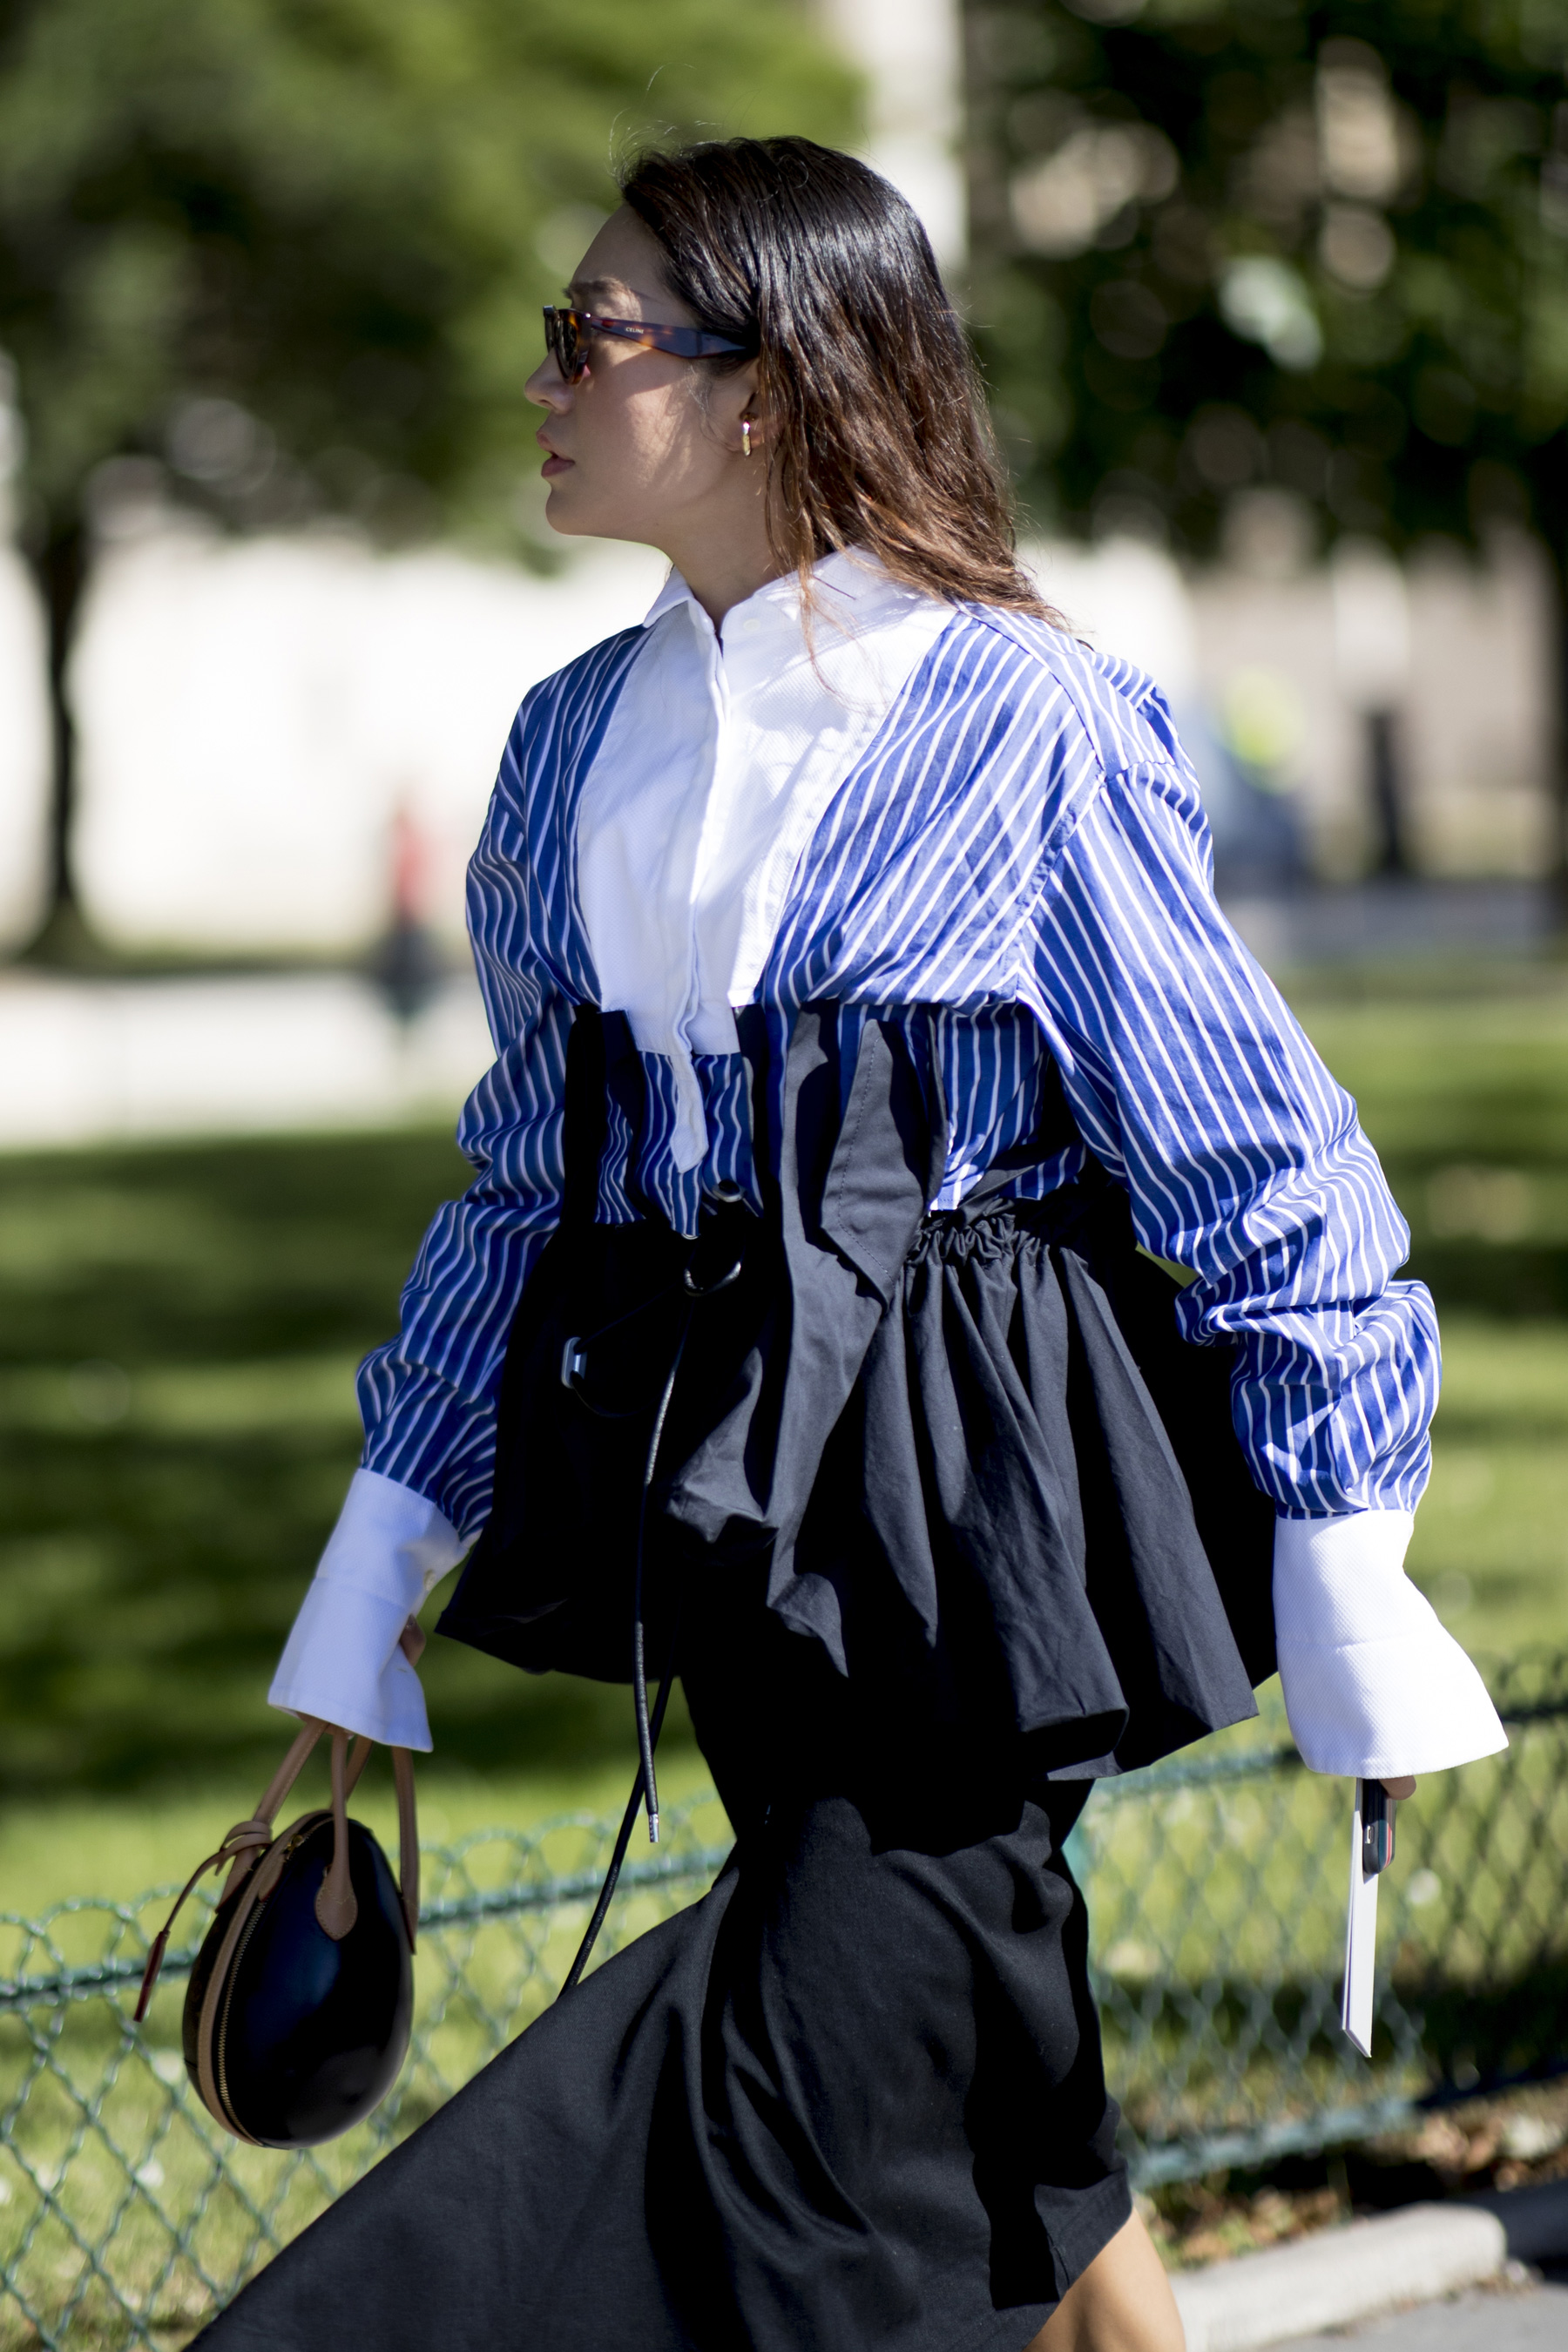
pixel 566 333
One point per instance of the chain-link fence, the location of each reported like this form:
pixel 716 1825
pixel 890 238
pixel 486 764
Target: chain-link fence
pixel 1217 1892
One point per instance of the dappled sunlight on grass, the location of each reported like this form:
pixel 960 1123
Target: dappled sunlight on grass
pixel 1490 1548
pixel 1466 1096
pixel 179 1328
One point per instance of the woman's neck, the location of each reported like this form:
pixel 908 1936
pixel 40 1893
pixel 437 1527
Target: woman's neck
pixel 725 557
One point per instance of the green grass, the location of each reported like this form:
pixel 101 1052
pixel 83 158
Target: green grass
pixel 118 1846
pixel 1464 1091
pixel 1492 1536
pixel 179 1328
pixel 1465 1094
pixel 178 1331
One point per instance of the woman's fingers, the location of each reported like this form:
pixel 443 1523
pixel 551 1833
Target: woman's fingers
pixel 1402 1787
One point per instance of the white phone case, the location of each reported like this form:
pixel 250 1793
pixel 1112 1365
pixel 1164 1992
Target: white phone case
pixel 1360 1941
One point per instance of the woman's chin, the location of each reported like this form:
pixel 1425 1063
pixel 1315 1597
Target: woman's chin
pixel 561 511
pixel 576 518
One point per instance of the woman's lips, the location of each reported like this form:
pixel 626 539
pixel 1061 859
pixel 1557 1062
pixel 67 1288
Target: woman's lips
pixel 553 465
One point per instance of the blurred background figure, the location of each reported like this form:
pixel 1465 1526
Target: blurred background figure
pixel 272 582
pixel 266 273
pixel 1264 296
pixel 408 961
pixel 1372 662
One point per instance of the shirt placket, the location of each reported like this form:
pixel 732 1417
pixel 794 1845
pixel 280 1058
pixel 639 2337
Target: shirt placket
pixel 699 817
pixel 710 985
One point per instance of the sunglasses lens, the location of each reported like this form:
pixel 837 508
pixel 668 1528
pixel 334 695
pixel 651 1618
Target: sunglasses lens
pixel 561 341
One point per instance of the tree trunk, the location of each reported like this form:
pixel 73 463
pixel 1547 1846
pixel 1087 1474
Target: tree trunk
pixel 59 562
pixel 1558 758
pixel 1386 788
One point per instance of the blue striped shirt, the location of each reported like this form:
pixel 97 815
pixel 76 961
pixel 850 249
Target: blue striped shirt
pixel 1022 844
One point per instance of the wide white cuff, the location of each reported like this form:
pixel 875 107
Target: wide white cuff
pixel 342 1662
pixel 1374 1684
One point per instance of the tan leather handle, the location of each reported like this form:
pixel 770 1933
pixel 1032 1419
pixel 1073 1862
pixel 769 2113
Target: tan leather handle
pixel 337 1906
pixel 258 1829
pixel 288 1771
pixel 241 1840
pixel 407 1842
pixel 239 1845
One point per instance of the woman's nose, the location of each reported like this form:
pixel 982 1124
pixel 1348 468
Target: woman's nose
pixel 547 387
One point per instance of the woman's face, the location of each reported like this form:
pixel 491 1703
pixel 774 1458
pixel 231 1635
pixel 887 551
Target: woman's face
pixel 645 446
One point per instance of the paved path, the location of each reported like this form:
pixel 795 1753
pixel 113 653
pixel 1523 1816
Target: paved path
pixel 90 1061
pixel 1522 2319
pixel 1380 922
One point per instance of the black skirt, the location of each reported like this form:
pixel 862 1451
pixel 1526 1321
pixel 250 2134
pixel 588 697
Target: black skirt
pixel 948 1522
pixel 852 2098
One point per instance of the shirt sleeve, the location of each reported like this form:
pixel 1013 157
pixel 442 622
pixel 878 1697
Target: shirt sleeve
pixel 428 1397
pixel 1193 1082
pixel 343 1662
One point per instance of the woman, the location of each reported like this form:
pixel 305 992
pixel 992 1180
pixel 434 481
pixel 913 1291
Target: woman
pixel 861 1005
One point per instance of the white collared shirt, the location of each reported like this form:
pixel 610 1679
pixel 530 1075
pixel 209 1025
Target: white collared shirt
pixel 718 764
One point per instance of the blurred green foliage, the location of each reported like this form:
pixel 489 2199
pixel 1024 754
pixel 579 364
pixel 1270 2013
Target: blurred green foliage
pixel 179 1327
pixel 1225 246
pixel 337 219
pixel 281 258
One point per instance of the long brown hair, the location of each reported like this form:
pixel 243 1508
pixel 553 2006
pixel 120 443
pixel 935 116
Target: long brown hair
pixel 878 436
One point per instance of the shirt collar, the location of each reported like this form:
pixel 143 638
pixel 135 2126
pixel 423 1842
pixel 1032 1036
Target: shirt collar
pixel 859 590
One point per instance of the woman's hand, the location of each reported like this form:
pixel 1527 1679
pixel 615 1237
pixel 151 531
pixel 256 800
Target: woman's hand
pixel 1404 1787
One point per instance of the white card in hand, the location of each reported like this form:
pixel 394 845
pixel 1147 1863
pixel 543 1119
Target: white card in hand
pixel 1360 1941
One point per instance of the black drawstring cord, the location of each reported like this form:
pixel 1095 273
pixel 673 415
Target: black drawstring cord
pixel 624 1837
pixel 645 1785
pixel 573 1365
pixel 646 1736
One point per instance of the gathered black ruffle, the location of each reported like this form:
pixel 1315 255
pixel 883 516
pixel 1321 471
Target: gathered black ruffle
pixel 1030 1554
pixel 983 1470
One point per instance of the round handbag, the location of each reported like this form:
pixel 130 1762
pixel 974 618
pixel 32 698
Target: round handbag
pixel 301 2000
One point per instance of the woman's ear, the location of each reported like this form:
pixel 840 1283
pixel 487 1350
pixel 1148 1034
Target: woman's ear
pixel 735 408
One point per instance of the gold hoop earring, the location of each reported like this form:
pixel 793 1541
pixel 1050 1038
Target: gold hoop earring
pixel 745 436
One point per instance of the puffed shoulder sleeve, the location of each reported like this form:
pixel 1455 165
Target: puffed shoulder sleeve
pixel 1193 1082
